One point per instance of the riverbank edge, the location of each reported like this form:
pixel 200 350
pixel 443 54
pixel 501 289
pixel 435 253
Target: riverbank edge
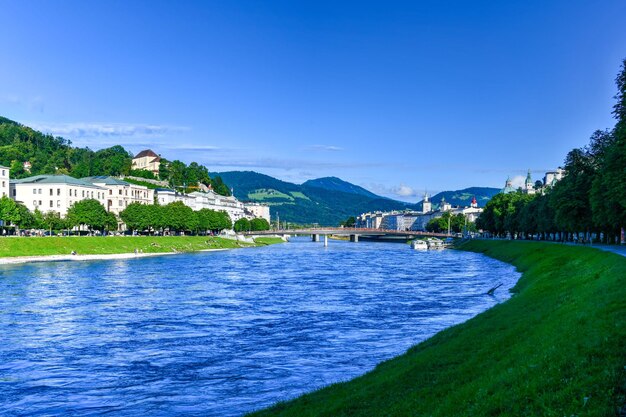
pixel 554 348
pixel 124 253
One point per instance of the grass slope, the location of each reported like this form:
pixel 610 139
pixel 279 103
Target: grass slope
pixel 84 245
pixel 556 348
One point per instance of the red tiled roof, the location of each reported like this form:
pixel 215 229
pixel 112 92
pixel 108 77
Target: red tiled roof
pixel 146 152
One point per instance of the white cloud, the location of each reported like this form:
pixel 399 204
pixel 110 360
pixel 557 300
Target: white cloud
pixel 324 148
pixel 518 181
pixel 82 130
pixel 404 191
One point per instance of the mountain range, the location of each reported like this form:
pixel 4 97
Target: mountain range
pixel 329 200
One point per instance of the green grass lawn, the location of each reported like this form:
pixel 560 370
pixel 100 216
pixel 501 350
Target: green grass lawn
pixel 86 245
pixel 556 348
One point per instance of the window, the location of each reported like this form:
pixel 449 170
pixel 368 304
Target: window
pixel 83 193
pixel 58 203
pixel 120 192
pixel 39 202
pixel 14 192
pixel 51 191
pixel 58 191
pixel 39 191
pixel 121 203
pixel 4 183
pixel 35 203
pixel 34 191
pixel 110 192
pixel 51 204
pixel 3 174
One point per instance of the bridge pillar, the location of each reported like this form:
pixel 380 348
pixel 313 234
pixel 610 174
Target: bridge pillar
pixel 325 240
pixel 315 238
pixel 354 238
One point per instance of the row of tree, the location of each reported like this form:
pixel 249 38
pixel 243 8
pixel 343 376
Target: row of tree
pixel 589 200
pixel 89 213
pixel 175 216
pixel 456 223
pixel 254 225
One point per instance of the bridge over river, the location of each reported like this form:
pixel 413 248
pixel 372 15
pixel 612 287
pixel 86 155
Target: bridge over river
pixel 353 233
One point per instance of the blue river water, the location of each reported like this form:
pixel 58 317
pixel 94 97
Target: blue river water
pixel 223 333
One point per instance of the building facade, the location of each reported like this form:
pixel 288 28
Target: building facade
pixel 4 181
pixel 257 210
pixel 120 193
pixel 200 200
pixel 55 193
pixel 147 160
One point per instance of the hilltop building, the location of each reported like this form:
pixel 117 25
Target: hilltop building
pixel 552 177
pixel 147 160
pixel 54 193
pixel 4 181
pixel 508 186
pixel 120 193
pixel 549 180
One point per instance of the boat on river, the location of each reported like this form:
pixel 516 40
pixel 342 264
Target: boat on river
pixel 418 244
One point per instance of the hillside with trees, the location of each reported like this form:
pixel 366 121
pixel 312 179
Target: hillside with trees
pixel 590 199
pixel 47 154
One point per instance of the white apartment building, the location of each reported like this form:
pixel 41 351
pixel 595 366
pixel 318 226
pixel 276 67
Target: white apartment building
pixel 54 193
pixel 199 200
pixel 120 193
pixel 4 181
pixel 258 210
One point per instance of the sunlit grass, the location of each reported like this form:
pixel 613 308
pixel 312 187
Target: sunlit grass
pixel 87 245
pixel 556 348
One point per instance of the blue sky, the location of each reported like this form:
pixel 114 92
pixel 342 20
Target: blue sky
pixel 398 97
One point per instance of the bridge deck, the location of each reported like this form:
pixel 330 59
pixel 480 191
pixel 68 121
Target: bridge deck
pixel 342 231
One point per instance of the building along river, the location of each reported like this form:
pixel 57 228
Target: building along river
pixel 224 333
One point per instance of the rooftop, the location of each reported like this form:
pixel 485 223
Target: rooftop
pixel 146 152
pixel 55 179
pixel 104 179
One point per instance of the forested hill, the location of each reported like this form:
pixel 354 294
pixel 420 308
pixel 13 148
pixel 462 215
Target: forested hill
pixel 463 198
pixel 308 202
pixel 48 154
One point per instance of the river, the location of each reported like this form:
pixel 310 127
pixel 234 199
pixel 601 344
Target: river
pixel 223 333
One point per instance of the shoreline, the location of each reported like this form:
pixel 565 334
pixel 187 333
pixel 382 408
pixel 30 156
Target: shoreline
pixel 482 367
pixel 16 260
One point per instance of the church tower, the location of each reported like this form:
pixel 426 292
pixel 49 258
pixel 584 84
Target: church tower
pixel 427 206
pixel 445 206
pixel 529 187
pixel 474 203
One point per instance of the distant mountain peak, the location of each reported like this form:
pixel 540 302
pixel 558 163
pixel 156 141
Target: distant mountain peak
pixel 337 184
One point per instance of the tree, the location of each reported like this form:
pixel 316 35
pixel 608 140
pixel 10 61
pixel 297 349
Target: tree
pixel 242 225
pixel 349 222
pixel 9 212
pixel 53 221
pixel 259 224
pixel 179 217
pixel 89 213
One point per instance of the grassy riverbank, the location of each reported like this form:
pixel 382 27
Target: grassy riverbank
pixel 556 348
pixel 86 245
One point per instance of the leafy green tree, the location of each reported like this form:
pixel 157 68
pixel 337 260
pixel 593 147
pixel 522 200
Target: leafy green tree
pixel 349 222
pixel 53 221
pixel 89 213
pixel 179 217
pixel 242 225
pixel 9 212
pixel 259 224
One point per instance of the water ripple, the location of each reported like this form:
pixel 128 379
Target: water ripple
pixel 223 333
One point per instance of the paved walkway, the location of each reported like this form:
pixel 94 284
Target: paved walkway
pixel 620 250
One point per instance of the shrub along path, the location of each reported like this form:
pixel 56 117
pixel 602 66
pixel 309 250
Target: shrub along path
pixel 556 348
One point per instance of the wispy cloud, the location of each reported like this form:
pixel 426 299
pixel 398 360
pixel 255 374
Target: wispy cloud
pixel 84 130
pixel 324 148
